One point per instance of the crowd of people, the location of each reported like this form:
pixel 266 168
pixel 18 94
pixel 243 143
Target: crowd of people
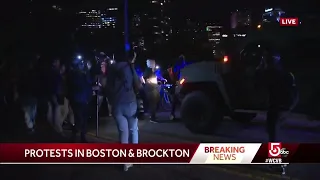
pixel 61 93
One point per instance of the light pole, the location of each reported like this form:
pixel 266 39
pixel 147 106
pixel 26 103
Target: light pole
pixel 126 28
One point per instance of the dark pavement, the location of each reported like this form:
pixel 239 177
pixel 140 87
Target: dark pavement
pixel 166 132
pixel 230 131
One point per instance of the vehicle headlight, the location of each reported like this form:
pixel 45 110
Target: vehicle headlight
pixel 153 80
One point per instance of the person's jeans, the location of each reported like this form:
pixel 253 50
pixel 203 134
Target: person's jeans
pixel 127 122
pixel 54 114
pixel 274 116
pixel 66 112
pixel 81 116
pixel 153 100
pixel 29 107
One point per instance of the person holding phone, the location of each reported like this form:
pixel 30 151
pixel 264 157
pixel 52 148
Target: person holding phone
pixel 123 85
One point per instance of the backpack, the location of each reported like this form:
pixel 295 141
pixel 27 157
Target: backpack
pixel 283 87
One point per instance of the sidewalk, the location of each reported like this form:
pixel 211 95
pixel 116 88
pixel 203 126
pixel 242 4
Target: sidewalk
pixel 292 120
pixel 153 133
pixel 176 133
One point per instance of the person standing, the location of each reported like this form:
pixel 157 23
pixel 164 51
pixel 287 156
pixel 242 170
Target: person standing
pixel 175 76
pixel 282 91
pixel 55 91
pixel 80 94
pixel 151 89
pixel 27 93
pixel 123 84
pixel 66 111
pixel 101 79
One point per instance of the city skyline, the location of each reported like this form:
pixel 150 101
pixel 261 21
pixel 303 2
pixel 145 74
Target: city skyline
pixel 174 25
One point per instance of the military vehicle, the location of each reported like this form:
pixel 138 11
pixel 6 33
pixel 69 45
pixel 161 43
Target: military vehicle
pixel 211 90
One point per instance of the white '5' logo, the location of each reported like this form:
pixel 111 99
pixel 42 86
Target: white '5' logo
pixel 275 149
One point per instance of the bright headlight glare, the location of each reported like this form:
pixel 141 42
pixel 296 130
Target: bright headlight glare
pixel 153 80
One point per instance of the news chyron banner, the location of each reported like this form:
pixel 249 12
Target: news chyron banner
pixel 204 153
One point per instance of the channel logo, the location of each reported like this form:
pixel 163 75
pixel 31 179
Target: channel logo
pixel 275 150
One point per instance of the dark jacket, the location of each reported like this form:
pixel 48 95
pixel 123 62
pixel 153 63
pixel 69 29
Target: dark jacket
pixel 102 79
pixel 282 89
pixel 56 82
pixel 80 90
pixel 27 85
pixel 120 83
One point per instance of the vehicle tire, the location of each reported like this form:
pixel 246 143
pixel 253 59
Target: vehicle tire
pixel 200 113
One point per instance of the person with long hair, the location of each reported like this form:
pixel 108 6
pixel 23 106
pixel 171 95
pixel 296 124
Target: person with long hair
pixel 123 85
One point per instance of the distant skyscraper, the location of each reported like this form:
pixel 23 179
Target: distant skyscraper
pixel 137 31
pixel 99 18
pixel 240 19
pixel 214 37
pixel 159 21
pixel 272 15
pixel 192 29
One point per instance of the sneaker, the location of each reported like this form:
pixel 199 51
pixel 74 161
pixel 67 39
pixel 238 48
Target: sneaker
pixel 153 119
pixel 127 166
pixel 172 117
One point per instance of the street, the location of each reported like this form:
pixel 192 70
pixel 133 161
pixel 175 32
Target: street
pixel 169 132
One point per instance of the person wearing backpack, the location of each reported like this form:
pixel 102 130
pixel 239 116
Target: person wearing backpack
pixel 123 84
pixel 281 88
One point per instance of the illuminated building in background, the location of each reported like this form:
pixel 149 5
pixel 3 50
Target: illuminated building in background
pixel 159 21
pixel 241 23
pixel 240 19
pixel 193 29
pixel 99 18
pixel 272 15
pixel 214 37
pixel 137 31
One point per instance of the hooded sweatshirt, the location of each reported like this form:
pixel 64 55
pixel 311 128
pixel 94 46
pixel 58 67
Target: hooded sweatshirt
pixel 120 83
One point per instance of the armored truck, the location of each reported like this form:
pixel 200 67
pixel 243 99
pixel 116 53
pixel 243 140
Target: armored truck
pixel 211 90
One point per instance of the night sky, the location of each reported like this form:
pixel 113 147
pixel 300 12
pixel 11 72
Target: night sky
pixel 218 11
pixel 203 9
